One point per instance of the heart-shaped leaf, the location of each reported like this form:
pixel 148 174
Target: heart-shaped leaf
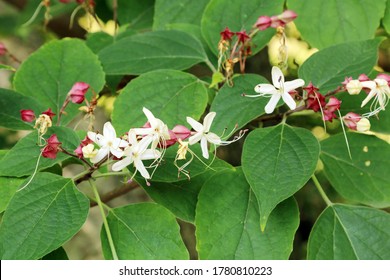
pixel 345 232
pixel 144 231
pixel 227 222
pixel 42 217
pixel 278 161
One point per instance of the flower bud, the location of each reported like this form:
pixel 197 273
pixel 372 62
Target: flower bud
pixel 181 132
pixel 363 125
pixel 3 49
pixel 27 115
pixel 288 16
pixel 354 87
pixel 351 119
pixel 89 151
pixel 333 104
pixel 242 36
pixel 263 22
pixel 52 147
pixel 78 91
pixel 363 78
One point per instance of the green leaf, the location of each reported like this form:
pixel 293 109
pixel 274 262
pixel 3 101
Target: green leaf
pixel 169 94
pixel 345 232
pixel 328 68
pixel 365 177
pixel 21 160
pixel 278 161
pixel 234 109
pixel 180 11
pixel 325 23
pixel 48 74
pixel 8 187
pixel 42 217
pixel 227 222
pixel 137 14
pixel 141 53
pixel 238 16
pixel 11 103
pixel 386 18
pixel 181 197
pixel 58 254
pixel 144 231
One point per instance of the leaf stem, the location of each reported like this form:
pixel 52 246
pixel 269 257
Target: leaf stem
pixel 111 174
pixel 321 191
pixel 106 227
pixel 210 65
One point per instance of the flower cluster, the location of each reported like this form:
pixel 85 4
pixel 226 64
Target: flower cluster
pixel 314 100
pixel 378 90
pixel 148 143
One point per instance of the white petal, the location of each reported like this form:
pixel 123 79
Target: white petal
pixel 109 131
pixel 195 138
pixel 277 77
pixel 150 154
pixel 205 150
pixel 289 100
pixel 208 120
pixel 270 107
pixel 152 120
pixel 369 84
pixel 132 137
pixel 265 89
pixel 144 143
pixel 139 165
pixel 369 96
pixel 119 165
pixel 213 138
pixel 116 152
pixel 293 84
pixel 143 131
pixel 195 125
pixel 92 135
pixel 101 154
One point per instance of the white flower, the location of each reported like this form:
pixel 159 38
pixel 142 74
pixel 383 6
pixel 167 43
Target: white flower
pixel 379 89
pixel 203 134
pixel 157 131
pixel 136 153
pixel 89 151
pixel 363 125
pixel 108 143
pixel 354 87
pixel 278 90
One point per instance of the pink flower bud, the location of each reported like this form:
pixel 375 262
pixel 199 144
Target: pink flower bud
pixel 333 104
pixel 49 112
pixel 351 119
pixel 311 88
pixel 167 143
pixel 226 34
pixel 276 22
pixel 288 16
pixel 3 49
pixel 78 91
pixel 181 132
pixel 263 22
pixel 84 142
pixel 27 115
pixel 363 78
pixel 52 147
